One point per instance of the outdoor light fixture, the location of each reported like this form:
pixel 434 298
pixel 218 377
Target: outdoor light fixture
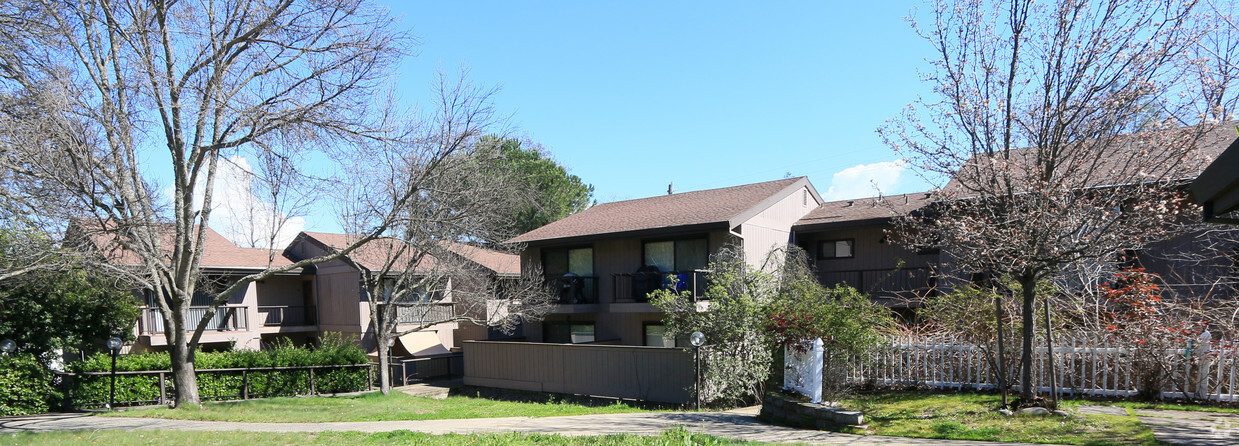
pixel 114 344
pixel 8 346
pixel 697 339
pixel 391 357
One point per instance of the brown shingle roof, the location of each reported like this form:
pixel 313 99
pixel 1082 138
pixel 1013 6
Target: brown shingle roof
pixel 500 262
pixel 217 251
pixel 1127 159
pixel 373 254
pixel 664 211
pixel 862 209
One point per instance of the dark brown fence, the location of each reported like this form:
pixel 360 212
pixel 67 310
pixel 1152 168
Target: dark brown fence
pixel 657 374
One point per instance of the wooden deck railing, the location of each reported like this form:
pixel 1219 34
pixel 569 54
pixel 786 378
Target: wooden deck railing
pixel 882 282
pixel 636 287
pixel 285 315
pixel 226 318
pixel 417 313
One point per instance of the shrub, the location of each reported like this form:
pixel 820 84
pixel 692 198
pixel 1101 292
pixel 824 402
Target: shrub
pixel 26 385
pixel 334 349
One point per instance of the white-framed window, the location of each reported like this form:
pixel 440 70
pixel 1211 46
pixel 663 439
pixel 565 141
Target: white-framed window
pixel 835 249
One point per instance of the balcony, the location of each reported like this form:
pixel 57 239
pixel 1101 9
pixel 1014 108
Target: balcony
pixel 421 313
pixel 286 315
pixel 573 289
pixel 907 283
pixel 636 287
pixel 226 318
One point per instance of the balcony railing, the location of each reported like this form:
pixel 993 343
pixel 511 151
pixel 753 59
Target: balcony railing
pixel 883 282
pixel 636 287
pixel 226 318
pixel 574 289
pixel 419 313
pixel 286 315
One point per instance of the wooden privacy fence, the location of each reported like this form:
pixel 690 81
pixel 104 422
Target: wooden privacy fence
pixel 659 374
pixel 1083 366
pixel 423 368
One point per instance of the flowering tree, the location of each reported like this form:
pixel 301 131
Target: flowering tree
pixel 1057 130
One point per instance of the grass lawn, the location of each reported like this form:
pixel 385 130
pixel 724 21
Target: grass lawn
pixel 676 437
pixel 972 417
pixel 376 407
pixel 1165 405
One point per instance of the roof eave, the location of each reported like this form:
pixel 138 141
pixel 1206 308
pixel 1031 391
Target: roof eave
pixel 638 233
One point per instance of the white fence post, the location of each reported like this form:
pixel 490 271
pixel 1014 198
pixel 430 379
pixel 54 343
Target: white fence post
pixel 803 371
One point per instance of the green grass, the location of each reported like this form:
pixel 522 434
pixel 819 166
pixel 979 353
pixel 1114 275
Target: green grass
pixel 373 407
pixel 973 417
pixel 1159 406
pixel 162 438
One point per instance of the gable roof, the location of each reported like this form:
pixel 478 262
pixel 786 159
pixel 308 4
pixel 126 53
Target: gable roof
pixel 1124 161
pixel 861 210
pixel 374 254
pixel 1217 188
pixel 502 263
pixel 724 207
pixel 218 253
pixel 371 256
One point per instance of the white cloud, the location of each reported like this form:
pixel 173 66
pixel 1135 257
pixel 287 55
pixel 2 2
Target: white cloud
pixel 865 180
pixel 241 216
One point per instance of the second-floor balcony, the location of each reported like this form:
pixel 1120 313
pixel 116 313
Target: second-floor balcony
pixel 422 313
pixel 884 283
pixel 574 289
pixel 286 315
pixel 226 318
pixel 636 287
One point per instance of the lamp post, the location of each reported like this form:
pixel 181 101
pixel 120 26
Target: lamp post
pixel 697 339
pixel 114 344
pixel 391 367
pixel 8 346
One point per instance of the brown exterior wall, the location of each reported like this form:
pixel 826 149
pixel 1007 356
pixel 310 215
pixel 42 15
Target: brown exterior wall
pixel 644 373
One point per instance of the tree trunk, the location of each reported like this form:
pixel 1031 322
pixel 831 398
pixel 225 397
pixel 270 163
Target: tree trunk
pixel 384 366
pixel 1002 351
pixel 1028 284
pixel 1049 354
pixel 184 377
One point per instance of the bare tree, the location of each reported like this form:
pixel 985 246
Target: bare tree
pixel 1058 126
pixel 423 271
pixel 114 97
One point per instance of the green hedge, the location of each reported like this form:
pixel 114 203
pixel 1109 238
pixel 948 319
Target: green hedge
pixel 26 385
pixel 90 391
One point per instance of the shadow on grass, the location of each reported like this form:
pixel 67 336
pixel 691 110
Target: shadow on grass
pixel 522 396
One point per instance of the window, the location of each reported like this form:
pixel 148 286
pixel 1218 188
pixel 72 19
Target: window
pixel 567 332
pixel 835 249
pixel 677 255
pixel 559 261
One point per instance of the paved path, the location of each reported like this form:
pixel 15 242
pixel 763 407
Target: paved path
pixel 740 424
pixel 1181 426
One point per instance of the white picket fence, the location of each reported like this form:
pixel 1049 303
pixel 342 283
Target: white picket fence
pixel 1083 367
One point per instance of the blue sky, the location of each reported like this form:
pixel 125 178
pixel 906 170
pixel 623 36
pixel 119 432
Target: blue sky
pixel 633 95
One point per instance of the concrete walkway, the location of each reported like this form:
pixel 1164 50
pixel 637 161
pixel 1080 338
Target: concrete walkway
pixel 740 424
pixel 1181 426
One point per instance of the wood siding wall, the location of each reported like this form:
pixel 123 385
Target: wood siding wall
pixel 656 374
pixel 772 227
pixel 869 252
